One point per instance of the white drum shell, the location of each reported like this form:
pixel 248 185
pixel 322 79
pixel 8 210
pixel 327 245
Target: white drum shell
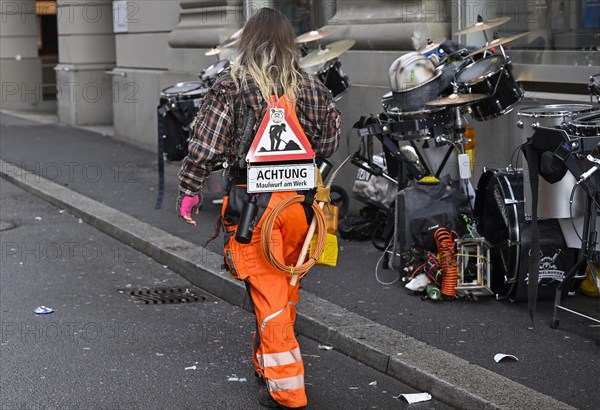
pixel 553 199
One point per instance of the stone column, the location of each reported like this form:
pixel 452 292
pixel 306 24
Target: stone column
pixel 390 24
pixel 20 67
pixel 86 47
pixel 207 23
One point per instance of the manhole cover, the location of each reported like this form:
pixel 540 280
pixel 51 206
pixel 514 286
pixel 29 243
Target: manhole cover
pixel 5 226
pixel 150 296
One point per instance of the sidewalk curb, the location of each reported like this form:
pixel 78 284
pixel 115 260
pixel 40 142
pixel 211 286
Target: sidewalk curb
pixel 447 377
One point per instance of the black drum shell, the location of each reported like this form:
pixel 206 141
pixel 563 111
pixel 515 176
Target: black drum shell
pixel 499 209
pixel 499 83
pixel 334 78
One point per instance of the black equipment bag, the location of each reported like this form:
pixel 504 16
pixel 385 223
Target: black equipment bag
pixel 423 208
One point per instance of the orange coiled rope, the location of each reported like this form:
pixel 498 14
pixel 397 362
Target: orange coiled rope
pixel 446 255
pixel 267 228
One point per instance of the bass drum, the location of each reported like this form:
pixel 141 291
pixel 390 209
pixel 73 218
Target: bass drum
pixel 499 209
pixel 501 215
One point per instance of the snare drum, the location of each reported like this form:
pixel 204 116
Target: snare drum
pixel 550 116
pixel 210 73
pixel 422 123
pixel 492 76
pixel 587 125
pixel 334 78
pixel 553 198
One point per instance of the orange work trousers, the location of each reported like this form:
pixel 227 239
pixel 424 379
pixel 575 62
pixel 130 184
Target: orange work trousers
pixel 276 353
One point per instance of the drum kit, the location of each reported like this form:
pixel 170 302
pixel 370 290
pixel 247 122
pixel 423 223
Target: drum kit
pixel 483 85
pixel 432 91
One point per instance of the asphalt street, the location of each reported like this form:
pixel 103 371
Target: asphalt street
pixel 561 363
pixel 102 349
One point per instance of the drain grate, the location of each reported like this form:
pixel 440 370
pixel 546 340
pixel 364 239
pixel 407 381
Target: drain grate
pixel 153 296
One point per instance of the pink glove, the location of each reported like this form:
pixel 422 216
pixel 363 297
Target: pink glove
pixel 186 205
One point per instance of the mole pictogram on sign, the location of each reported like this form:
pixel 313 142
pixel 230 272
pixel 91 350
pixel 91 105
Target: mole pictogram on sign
pixel 280 137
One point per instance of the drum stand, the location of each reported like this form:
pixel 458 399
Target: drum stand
pixel 588 256
pixel 459 137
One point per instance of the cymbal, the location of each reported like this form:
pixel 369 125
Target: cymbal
pixel 457 99
pixel 235 35
pixel 329 52
pixel 315 35
pixel 497 42
pixel 219 49
pixel 213 51
pixel 431 45
pixel 483 25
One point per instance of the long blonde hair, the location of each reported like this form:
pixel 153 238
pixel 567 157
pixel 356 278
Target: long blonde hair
pixel 268 53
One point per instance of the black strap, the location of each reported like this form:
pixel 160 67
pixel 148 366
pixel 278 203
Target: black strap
pixel 400 229
pixel 160 115
pixel 534 257
pixel 444 161
pixel 249 132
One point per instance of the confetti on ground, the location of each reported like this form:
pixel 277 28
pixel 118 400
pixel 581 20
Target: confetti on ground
pixel 38 218
pixel 234 378
pixel 414 397
pixel 42 310
pixel 501 356
pixel 325 347
pixel 373 383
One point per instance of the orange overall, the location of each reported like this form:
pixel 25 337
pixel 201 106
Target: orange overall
pixel 276 353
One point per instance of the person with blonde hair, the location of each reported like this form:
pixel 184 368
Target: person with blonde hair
pixel 266 69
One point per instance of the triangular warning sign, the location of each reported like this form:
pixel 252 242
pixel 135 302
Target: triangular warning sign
pixel 280 137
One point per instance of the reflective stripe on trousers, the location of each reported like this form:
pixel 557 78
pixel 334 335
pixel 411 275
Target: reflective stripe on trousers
pixel 279 359
pixel 289 383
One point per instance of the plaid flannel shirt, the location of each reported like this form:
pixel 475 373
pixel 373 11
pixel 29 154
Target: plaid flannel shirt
pixel 219 129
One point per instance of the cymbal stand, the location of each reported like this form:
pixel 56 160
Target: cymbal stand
pixel 459 140
pixel 480 21
pixel 303 50
pixel 588 256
